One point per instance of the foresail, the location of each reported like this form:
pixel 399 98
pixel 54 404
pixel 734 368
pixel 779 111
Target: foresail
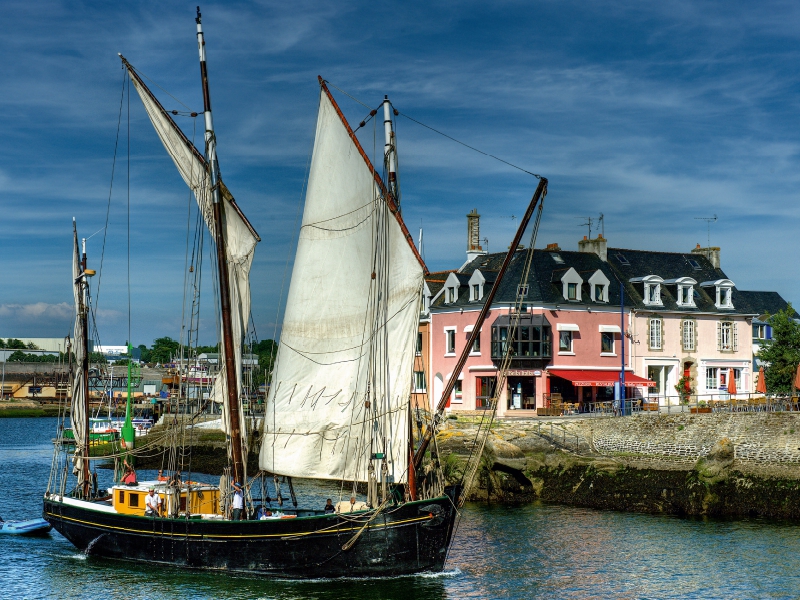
pixel 333 360
pixel 78 405
pixel 240 237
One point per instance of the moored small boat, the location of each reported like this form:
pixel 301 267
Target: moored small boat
pixel 31 527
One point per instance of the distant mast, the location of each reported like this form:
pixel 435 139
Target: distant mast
pixel 222 265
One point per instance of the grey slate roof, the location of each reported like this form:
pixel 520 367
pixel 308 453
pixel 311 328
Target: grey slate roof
pixel 763 303
pixel 544 279
pixel 671 265
pixel 545 287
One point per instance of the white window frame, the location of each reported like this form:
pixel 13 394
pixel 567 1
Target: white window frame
pixel 712 378
pixel 655 338
pixel 450 336
pixel 420 386
pixel 689 335
pixel 476 291
pixel 613 351
pixel 571 277
pixel 598 282
pixel 727 336
pixel 566 335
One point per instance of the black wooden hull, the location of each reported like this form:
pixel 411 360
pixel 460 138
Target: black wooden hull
pixel 406 539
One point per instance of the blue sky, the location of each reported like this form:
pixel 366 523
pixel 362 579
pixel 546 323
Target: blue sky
pixel 653 114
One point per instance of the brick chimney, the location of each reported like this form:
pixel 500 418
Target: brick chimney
pixel 711 253
pixel 552 248
pixel 598 245
pixel 474 248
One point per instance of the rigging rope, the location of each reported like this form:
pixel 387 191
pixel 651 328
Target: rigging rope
pixel 449 137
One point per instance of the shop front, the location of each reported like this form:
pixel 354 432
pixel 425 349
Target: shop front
pixel 591 390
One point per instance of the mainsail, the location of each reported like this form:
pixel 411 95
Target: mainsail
pixel 78 406
pixel 344 366
pixel 240 237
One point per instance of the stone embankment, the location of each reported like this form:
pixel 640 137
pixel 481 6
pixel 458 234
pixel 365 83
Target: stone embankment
pixel 721 464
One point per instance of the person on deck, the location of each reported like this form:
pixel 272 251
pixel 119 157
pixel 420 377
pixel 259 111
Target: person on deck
pixel 152 503
pixel 161 476
pixel 130 474
pixel 329 508
pixel 175 480
pixel 238 501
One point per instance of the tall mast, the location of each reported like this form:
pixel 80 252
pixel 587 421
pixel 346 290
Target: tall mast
pixel 541 191
pixel 222 265
pixel 85 367
pixel 390 151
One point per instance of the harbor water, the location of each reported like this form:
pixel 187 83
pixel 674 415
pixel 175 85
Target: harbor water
pixel 530 551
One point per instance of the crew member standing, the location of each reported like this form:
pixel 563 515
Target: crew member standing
pixel 238 501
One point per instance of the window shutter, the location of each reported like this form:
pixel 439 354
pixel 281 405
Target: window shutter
pixel 719 336
pixel 735 328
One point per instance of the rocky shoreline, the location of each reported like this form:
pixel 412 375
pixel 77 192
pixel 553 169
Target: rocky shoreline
pixel 721 465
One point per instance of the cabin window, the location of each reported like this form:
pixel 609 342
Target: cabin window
pixel 133 500
pixel 121 497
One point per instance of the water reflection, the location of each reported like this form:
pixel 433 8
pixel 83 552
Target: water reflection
pixel 531 551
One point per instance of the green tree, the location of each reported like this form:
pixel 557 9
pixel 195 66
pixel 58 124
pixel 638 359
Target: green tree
pixel 164 348
pixel 15 344
pixel 2 343
pixel 145 356
pixel 781 355
pixel 266 351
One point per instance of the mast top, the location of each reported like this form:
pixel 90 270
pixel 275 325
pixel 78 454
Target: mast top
pixel 198 18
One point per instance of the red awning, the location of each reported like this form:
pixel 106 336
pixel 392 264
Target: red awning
pixel 600 378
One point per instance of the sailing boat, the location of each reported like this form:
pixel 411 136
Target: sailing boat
pixel 338 408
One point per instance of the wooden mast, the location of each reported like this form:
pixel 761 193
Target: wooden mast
pixel 541 191
pixel 85 368
pixel 222 266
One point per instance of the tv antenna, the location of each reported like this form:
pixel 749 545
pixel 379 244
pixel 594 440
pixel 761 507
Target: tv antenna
pixel 708 221
pixel 588 223
pixel 602 223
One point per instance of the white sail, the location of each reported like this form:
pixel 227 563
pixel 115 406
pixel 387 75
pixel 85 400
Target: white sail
pixel 78 405
pixel 240 239
pixel 336 351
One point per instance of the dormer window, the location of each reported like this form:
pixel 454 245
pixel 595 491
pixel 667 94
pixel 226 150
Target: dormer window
pixel 477 286
pixel 451 289
pixel 685 293
pixel 724 292
pixel 651 293
pixel 571 284
pixel 599 286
